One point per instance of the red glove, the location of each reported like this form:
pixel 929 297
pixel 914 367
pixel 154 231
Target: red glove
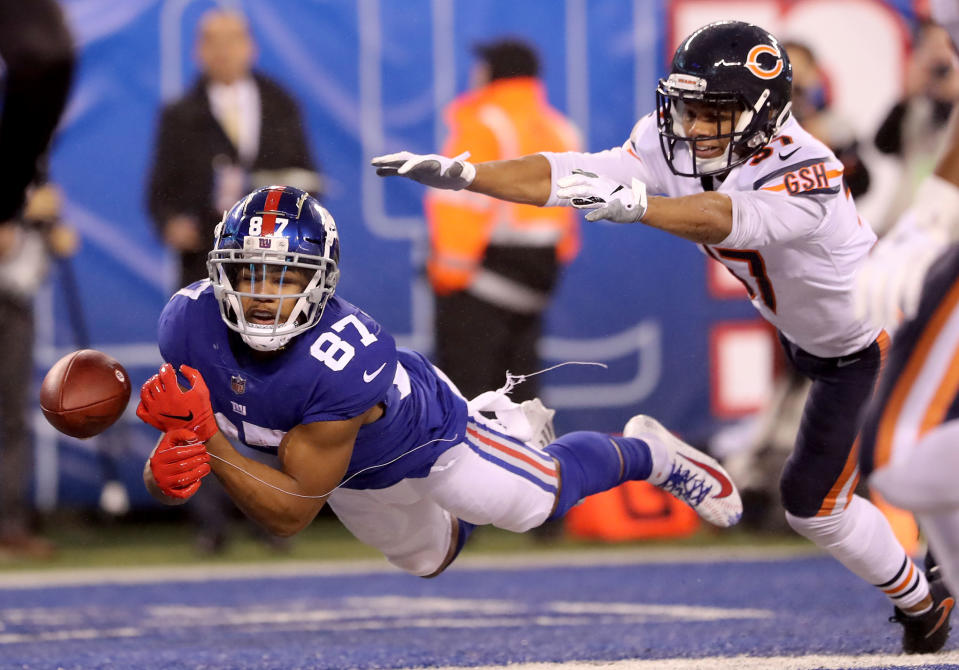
pixel 165 407
pixel 179 462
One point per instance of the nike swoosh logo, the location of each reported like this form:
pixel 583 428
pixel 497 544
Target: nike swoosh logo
pixel 843 363
pixel 186 417
pixel 727 486
pixel 783 157
pixel 370 376
pixel 946 606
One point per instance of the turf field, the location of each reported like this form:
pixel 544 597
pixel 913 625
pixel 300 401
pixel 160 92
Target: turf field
pixel 719 603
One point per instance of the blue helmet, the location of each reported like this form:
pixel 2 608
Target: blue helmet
pixel 741 70
pixel 272 235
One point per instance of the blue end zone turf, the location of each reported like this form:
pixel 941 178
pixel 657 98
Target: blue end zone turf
pixel 464 617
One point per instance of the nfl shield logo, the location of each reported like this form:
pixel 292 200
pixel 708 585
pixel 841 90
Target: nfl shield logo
pixel 238 384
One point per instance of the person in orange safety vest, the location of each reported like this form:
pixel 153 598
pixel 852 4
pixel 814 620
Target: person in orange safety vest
pixel 493 264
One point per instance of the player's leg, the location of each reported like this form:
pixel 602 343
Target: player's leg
pixel 942 534
pixel 924 478
pixel 820 477
pixel 911 428
pixel 412 531
pixel 493 478
pixel 692 476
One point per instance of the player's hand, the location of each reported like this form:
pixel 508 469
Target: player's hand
pixel 606 198
pixel 166 407
pixel 178 463
pixel 430 169
pixel 889 285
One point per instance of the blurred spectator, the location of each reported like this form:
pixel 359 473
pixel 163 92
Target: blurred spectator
pixel 493 265
pixel 26 246
pixel 914 129
pixel 234 130
pixel 812 107
pixel 36 53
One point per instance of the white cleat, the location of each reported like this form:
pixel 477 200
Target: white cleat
pixel 695 478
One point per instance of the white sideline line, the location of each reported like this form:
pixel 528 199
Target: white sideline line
pixel 269 570
pixel 812 662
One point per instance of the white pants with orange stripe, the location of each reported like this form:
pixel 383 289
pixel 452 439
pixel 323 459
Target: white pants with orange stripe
pixel 911 432
pixel 489 478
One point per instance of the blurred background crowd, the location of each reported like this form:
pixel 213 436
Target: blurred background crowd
pixel 175 108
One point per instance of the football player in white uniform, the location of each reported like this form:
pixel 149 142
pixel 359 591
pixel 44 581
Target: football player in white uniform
pixel 911 431
pixel 722 163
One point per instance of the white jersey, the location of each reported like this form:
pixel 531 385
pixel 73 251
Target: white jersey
pixel 796 241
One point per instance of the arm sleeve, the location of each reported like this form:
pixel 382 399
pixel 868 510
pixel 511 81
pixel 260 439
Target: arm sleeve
pixel 171 339
pixel 619 164
pixel 761 218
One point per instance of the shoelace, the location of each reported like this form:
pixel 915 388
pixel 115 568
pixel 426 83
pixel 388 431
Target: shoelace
pixel 687 486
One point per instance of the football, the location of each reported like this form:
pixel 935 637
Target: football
pixel 84 393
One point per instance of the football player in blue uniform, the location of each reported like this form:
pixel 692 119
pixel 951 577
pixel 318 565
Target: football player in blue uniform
pixel 272 360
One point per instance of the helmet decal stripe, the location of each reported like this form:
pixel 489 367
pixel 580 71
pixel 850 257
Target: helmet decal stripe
pixel 255 252
pixel 269 215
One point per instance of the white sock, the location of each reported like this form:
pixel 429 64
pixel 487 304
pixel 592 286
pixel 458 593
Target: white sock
pixel 861 538
pixel 661 459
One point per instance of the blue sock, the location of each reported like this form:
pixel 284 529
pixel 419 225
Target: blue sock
pixel 589 463
pixel 463 534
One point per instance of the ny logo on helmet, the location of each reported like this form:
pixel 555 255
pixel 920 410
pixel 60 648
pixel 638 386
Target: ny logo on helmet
pixel 757 68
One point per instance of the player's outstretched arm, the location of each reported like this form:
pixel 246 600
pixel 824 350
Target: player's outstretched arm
pixel 525 180
pixel 314 457
pixel 706 218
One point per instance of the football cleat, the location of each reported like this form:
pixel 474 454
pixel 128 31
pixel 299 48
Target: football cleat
pixel 695 478
pixel 927 632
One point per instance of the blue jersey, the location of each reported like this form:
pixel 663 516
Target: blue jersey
pixel 337 370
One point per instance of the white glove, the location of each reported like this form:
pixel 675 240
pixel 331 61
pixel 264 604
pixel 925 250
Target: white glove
pixel 608 199
pixel 530 421
pixel 889 284
pixel 430 169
